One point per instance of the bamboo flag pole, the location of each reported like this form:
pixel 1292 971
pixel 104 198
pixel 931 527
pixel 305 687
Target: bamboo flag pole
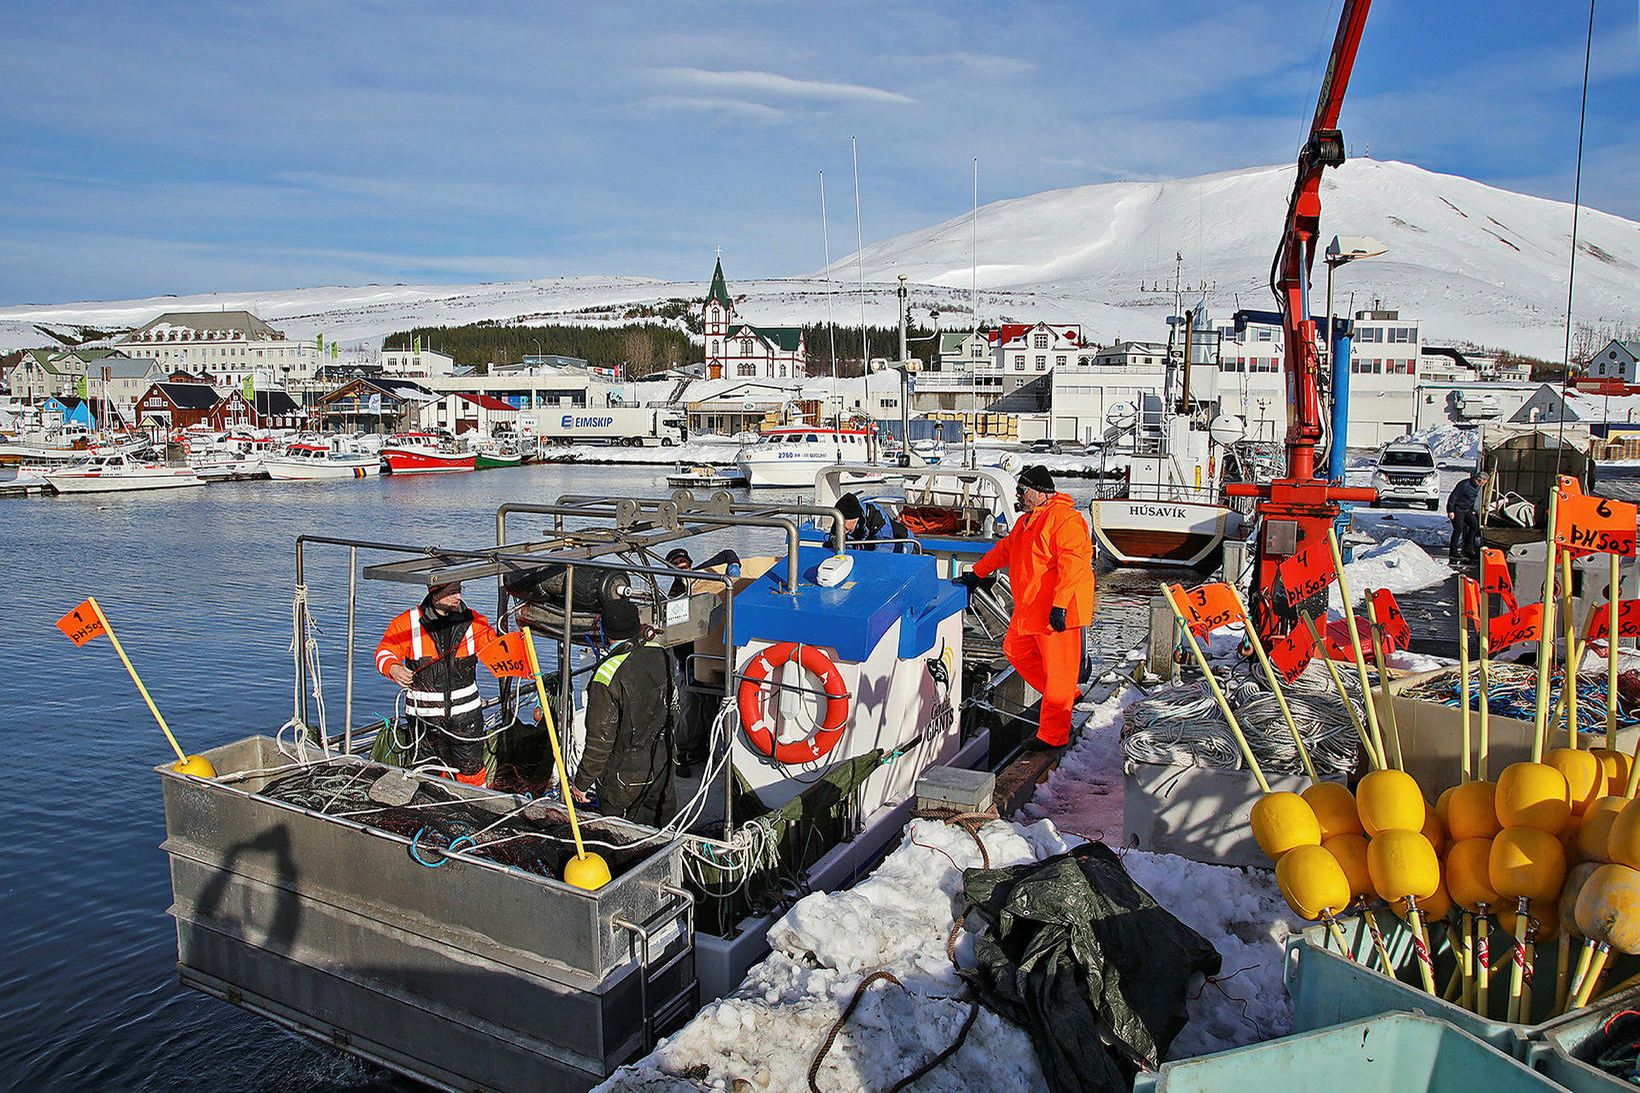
pixel 1355 644
pixel 1373 757
pixel 1614 595
pixel 1275 685
pixel 1574 654
pixel 1546 644
pixel 593 872
pixel 182 757
pixel 1483 630
pixel 1383 684
pixel 1218 694
pixel 1463 670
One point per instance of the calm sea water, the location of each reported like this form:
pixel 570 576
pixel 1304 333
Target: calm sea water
pixel 197 584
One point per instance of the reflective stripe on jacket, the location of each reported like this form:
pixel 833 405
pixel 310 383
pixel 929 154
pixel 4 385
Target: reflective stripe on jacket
pixel 442 655
pixel 1049 558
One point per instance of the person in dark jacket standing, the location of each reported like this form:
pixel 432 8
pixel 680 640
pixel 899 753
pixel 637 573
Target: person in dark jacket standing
pixel 432 651
pixel 628 754
pixel 1463 508
pixel 866 526
pixel 696 709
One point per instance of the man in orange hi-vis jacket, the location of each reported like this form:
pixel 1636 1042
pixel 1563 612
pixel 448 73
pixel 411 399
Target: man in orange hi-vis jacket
pixel 1048 554
pixel 432 651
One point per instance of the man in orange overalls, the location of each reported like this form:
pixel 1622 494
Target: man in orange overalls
pixel 1048 554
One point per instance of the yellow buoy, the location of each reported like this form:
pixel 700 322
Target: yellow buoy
pixel 1473 812
pixel 1608 908
pixel 197 765
pixel 1389 800
pixel 589 871
pixel 1402 864
pixel 1585 778
pixel 1350 851
pixel 1615 766
pixel 1468 875
pixel 1568 837
pixel 1443 806
pixel 1334 808
pixel 1623 840
pixel 1435 831
pixel 1283 821
pixel 1594 832
pixel 1533 795
pixel 1527 863
pixel 1312 881
pixel 1576 878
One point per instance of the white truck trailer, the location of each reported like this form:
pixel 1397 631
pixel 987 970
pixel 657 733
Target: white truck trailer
pixel 627 426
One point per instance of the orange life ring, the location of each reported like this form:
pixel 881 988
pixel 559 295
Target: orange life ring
pixel 755 719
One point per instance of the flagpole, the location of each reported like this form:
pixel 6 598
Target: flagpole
pixel 182 756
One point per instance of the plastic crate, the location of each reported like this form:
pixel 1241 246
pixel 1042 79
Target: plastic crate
pixel 1562 1052
pixel 1328 988
pixel 1394 1053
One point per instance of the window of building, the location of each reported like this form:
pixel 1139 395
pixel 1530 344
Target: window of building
pixel 1266 335
pixel 1040 341
pixel 746 370
pixel 745 347
pixel 1041 363
pixel 1059 360
pixel 1401 334
pixel 1369 334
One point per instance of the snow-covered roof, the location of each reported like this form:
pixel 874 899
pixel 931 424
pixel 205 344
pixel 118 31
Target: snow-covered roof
pixel 204 326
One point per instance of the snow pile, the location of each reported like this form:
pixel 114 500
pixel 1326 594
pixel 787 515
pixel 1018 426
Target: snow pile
pixel 1452 446
pixel 1084 794
pixel 1431 530
pixel 1396 564
pixel 766 1033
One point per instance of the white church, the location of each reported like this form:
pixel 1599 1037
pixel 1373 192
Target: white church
pixel 736 349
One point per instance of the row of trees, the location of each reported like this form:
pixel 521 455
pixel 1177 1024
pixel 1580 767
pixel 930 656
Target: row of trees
pixel 645 347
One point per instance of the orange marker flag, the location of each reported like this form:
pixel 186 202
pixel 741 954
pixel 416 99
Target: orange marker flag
pixel 1291 654
pixel 1306 571
pixel 1587 524
pixel 1471 602
pixel 1628 621
pixel 506 656
pixel 1209 606
pixel 1495 574
pixel 82 624
pixel 1525 624
pixel 1397 634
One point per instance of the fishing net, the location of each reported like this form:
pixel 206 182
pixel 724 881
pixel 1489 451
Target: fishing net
pixel 534 837
pixel 1512 692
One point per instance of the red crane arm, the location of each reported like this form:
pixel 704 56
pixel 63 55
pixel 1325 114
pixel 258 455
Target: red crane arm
pixel 1290 272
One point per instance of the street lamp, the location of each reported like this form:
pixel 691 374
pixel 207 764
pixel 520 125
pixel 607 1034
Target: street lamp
pixel 1343 250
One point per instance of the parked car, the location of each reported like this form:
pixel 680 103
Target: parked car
pixel 1405 475
pixel 1043 447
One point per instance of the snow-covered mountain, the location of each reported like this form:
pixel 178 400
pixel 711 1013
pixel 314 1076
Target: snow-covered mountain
pixel 1476 263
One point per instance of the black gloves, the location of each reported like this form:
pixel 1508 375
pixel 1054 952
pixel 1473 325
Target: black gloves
pixel 1056 619
pixel 973 581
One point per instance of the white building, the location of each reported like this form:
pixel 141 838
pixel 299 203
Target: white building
pixel 1619 363
pixel 415 363
pixel 739 350
pixel 227 347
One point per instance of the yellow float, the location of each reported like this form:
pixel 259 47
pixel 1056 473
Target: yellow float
pixel 1533 795
pixel 1390 800
pixel 1334 808
pixel 1283 822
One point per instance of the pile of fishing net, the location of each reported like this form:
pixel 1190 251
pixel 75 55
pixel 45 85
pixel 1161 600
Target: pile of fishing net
pixel 533 836
pixel 1512 691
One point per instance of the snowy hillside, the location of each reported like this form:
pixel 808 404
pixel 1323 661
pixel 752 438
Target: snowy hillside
pixel 1474 262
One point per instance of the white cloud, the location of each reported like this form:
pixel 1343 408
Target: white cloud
pixel 707 104
pixel 770 83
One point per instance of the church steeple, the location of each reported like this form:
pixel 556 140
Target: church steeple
pixel 720 290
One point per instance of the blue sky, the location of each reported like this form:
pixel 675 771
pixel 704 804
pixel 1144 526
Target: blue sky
pixel 153 147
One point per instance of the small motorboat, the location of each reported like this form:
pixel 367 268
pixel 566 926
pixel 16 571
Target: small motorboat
pixel 493 454
pixel 427 453
pixel 308 462
pixel 705 476
pixel 119 473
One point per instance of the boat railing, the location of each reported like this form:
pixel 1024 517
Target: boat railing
pixel 1155 491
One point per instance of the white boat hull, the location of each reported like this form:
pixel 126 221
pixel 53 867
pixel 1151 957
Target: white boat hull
pixel 304 470
pixel 797 473
pixel 64 482
pixel 1171 533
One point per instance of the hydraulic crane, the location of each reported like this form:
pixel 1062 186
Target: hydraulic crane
pixel 1294 509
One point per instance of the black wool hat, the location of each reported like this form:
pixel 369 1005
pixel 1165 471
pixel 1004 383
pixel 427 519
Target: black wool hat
pixel 1036 477
pixel 678 554
pixel 849 506
pixel 621 620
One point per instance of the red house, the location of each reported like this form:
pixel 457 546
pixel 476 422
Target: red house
pixel 171 406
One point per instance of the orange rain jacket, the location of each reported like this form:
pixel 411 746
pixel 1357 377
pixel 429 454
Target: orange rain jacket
pixel 1049 558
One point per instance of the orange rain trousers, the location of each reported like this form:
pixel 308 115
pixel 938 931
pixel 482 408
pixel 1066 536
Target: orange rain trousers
pixel 1050 662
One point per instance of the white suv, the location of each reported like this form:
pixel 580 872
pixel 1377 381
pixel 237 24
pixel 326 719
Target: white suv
pixel 1406 475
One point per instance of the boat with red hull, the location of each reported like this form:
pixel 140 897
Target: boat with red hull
pixel 426 453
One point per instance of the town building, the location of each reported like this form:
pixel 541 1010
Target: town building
pixel 121 381
pixel 167 407
pixel 42 373
pixel 738 350
pixel 464 412
pixel 1615 369
pixel 417 362
pixel 227 346
pixel 370 404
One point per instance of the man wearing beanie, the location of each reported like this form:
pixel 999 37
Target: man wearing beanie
pixel 1048 554
pixel 628 755
pixel 866 525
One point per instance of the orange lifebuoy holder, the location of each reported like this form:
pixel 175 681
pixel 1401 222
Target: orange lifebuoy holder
pixel 754 717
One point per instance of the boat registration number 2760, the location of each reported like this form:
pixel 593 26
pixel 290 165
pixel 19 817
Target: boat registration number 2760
pixel 1171 512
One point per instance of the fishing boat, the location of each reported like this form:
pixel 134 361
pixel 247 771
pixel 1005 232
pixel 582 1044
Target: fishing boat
pixel 706 476
pixel 490 454
pixel 307 462
pixel 788 457
pixel 426 453
pixel 119 473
